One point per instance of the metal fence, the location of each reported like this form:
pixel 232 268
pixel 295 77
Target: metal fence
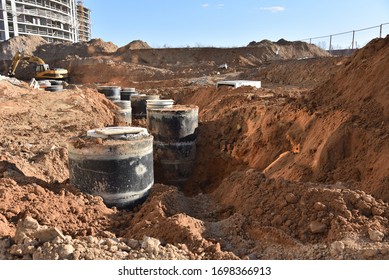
pixel 353 39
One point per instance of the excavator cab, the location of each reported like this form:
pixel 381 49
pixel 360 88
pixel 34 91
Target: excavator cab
pixel 41 68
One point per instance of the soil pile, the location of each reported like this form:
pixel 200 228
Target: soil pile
pixel 361 87
pixel 134 45
pixel 211 58
pixel 55 52
pixel 344 135
pixel 142 64
pixel 25 44
pixel 307 73
pixel 51 53
pixel 34 134
pixel 36 45
pixel 288 49
pixel 99 61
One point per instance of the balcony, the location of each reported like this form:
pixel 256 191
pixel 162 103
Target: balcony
pixel 45 14
pixel 32 3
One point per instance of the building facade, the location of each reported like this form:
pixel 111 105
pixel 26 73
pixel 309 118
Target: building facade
pixel 54 20
pixel 84 23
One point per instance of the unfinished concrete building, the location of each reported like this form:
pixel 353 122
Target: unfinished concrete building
pixel 54 20
pixel 84 24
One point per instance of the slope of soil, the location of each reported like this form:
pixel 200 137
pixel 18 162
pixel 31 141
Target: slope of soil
pixel 347 137
pixel 134 45
pixel 51 53
pixel 307 73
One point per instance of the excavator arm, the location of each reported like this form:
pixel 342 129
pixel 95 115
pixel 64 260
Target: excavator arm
pixel 18 57
pixel 14 64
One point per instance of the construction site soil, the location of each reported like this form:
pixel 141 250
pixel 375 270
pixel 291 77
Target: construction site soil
pixel 297 169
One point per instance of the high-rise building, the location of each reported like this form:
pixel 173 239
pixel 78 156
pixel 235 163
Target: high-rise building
pixel 84 24
pixel 54 20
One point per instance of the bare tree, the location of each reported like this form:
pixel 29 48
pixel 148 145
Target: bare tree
pixel 322 45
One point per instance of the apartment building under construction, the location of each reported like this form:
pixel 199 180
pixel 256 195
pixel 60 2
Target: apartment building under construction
pixel 54 20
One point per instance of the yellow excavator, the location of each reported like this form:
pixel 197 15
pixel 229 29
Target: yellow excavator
pixel 42 70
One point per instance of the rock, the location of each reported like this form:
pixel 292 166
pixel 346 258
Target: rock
pixel 105 233
pixel 28 223
pixel 48 234
pixel 124 247
pixel 111 242
pixel 65 251
pixel 38 190
pixel 369 254
pixel 318 206
pixel 134 244
pixel 337 248
pixel 376 211
pixel 91 239
pixel 151 245
pixel 16 250
pixel 24 229
pixel 5 229
pixel 364 208
pixel 317 227
pixel 291 198
pixel 376 235
pixel 113 248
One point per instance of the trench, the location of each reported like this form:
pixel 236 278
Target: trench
pixel 220 152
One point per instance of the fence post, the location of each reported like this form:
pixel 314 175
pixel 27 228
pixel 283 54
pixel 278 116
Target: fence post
pixel 381 31
pixel 352 44
pixel 330 44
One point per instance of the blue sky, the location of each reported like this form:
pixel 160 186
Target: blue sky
pixel 234 23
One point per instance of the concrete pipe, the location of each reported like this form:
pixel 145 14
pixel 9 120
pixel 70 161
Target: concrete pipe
pixel 138 103
pixel 123 114
pixel 176 124
pixel 175 131
pixel 110 92
pixel 115 163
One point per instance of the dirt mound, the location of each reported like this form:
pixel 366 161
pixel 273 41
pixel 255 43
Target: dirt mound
pixel 36 45
pixel 304 212
pixel 361 86
pixel 213 57
pixel 171 63
pixel 306 73
pixel 25 44
pixel 51 53
pixel 108 63
pixel 50 117
pixel 134 45
pixel 290 49
pixel 105 70
pixel 57 52
pixel 359 91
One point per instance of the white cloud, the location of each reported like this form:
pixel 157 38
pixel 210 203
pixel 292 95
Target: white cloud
pixel 274 9
pixel 220 6
pixel 206 5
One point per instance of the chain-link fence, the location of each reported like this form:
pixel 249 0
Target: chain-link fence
pixel 351 40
